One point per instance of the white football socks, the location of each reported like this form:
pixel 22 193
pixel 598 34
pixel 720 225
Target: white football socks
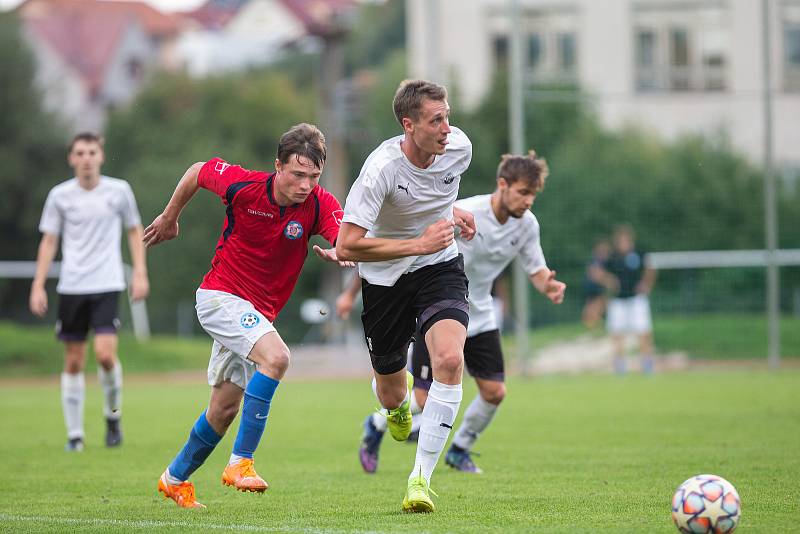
pixel 438 417
pixel 477 417
pixel 111 382
pixel 73 394
pixel 379 420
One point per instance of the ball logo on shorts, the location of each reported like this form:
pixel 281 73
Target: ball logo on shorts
pixel 249 320
pixel 293 230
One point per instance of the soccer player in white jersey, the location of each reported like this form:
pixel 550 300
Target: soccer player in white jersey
pixel 506 229
pixel 87 213
pixel 399 223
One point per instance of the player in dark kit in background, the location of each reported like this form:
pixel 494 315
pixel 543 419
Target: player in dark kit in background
pixel 264 243
pixel 627 274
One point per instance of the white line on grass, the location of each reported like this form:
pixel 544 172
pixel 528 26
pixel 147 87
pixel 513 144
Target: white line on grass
pixel 149 523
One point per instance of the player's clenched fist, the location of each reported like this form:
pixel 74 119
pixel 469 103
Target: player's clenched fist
pixel 437 236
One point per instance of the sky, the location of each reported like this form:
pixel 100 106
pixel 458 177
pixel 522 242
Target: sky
pixel 164 5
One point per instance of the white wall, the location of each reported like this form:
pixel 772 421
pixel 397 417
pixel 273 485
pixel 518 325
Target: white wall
pixel 455 47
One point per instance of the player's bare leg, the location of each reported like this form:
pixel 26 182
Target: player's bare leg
pixel 445 342
pixel 646 352
pixel 618 348
pixel 271 355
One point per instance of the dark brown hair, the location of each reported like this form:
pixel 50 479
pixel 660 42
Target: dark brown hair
pixel 88 137
pixel 303 140
pixel 410 95
pixel 530 168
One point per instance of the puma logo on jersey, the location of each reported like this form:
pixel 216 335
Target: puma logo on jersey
pixel 404 188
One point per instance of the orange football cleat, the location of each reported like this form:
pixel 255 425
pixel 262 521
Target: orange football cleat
pixel 243 477
pixel 182 494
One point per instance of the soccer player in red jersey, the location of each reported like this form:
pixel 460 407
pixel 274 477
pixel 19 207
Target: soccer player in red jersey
pixel 264 242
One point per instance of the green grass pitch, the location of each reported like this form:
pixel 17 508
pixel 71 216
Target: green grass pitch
pixel 565 454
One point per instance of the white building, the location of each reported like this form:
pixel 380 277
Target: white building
pixel 234 35
pixel 675 66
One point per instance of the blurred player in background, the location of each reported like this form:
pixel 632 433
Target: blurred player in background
pixel 399 223
pixel 507 229
pixel 87 213
pixel 628 276
pixel 264 243
pixel 594 292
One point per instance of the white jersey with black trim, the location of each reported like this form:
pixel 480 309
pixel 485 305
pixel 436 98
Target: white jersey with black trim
pixel 89 222
pixel 394 199
pixel 494 246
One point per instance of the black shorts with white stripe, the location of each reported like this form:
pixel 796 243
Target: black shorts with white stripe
pixel 416 301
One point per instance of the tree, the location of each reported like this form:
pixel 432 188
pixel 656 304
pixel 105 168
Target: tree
pixel 33 152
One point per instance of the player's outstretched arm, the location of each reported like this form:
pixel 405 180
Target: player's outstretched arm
pixel 44 259
pixel 165 226
pixel 140 285
pixel 329 254
pixel 645 285
pixel 465 222
pixel 345 301
pixel 545 283
pixel 353 245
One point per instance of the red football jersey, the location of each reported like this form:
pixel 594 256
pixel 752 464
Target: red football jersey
pixel 263 245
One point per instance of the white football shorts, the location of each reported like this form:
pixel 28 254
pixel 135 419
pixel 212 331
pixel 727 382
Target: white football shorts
pixel 629 316
pixel 235 325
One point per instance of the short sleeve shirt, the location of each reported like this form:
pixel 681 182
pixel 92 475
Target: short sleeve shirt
pixel 492 249
pixel 90 223
pixel 394 199
pixel 263 245
pixel 628 268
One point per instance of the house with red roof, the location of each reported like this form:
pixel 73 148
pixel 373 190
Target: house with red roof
pixel 94 55
pixel 232 35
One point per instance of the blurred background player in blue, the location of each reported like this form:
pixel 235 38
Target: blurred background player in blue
pixel 594 292
pixel 628 276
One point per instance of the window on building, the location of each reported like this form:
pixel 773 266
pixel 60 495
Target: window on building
pixel 534 51
pixel 790 19
pixel 500 48
pixel 549 47
pixel 135 69
pixel 681 47
pixel 566 52
pixel 646 60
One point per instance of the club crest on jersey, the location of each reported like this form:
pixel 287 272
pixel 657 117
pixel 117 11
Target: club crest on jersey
pixel 221 166
pixel 249 320
pixel 449 179
pixel 293 230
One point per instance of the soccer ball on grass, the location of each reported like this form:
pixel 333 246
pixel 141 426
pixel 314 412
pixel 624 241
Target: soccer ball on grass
pixel 706 504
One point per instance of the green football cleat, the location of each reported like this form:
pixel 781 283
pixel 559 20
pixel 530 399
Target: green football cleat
pixel 399 419
pixel 417 499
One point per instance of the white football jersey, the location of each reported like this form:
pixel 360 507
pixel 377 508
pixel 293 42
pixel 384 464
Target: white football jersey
pixel 494 246
pixel 394 199
pixel 90 223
